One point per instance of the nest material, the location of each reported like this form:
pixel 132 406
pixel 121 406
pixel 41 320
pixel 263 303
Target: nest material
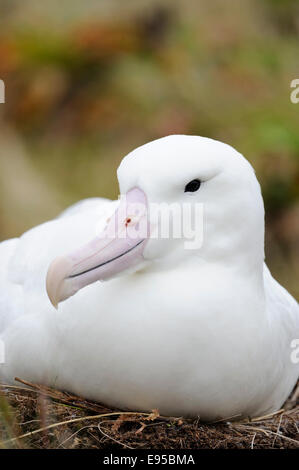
pixel 40 417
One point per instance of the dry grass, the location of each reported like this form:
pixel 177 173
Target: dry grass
pixel 39 417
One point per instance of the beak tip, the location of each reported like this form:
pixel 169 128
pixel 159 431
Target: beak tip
pixel 54 280
pixel 55 304
pixel 53 301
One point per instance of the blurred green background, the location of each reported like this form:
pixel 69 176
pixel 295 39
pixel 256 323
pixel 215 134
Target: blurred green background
pixel 88 81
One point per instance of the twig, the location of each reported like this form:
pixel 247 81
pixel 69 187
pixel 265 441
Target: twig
pixel 277 431
pixel 266 417
pixel 252 442
pixel 242 426
pixel 77 432
pixel 62 397
pixel 113 439
pixel 267 432
pixel 225 419
pixel 75 420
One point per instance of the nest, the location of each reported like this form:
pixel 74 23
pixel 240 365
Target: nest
pixel 35 416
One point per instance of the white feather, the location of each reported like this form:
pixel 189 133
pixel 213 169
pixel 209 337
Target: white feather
pixel 209 334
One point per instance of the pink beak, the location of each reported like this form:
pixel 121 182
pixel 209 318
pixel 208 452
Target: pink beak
pixel 119 247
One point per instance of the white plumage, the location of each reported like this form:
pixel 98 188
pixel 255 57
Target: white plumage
pixel 203 332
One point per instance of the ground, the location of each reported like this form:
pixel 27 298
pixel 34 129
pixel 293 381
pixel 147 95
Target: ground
pixel 32 416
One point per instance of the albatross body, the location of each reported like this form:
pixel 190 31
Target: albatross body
pixel 193 331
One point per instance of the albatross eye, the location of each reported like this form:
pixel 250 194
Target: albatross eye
pixel 192 186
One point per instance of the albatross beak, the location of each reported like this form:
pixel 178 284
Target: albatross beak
pixel 117 248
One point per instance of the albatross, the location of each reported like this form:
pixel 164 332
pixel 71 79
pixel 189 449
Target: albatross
pixel 93 303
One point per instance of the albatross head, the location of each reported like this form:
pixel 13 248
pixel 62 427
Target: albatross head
pixel 197 187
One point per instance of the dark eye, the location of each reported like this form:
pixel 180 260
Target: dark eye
pixel 192 186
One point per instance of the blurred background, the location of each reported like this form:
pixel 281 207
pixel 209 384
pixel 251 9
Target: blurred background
pixel 88 81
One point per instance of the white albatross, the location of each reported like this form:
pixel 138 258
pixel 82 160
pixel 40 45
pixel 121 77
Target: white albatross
pixel 205 332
